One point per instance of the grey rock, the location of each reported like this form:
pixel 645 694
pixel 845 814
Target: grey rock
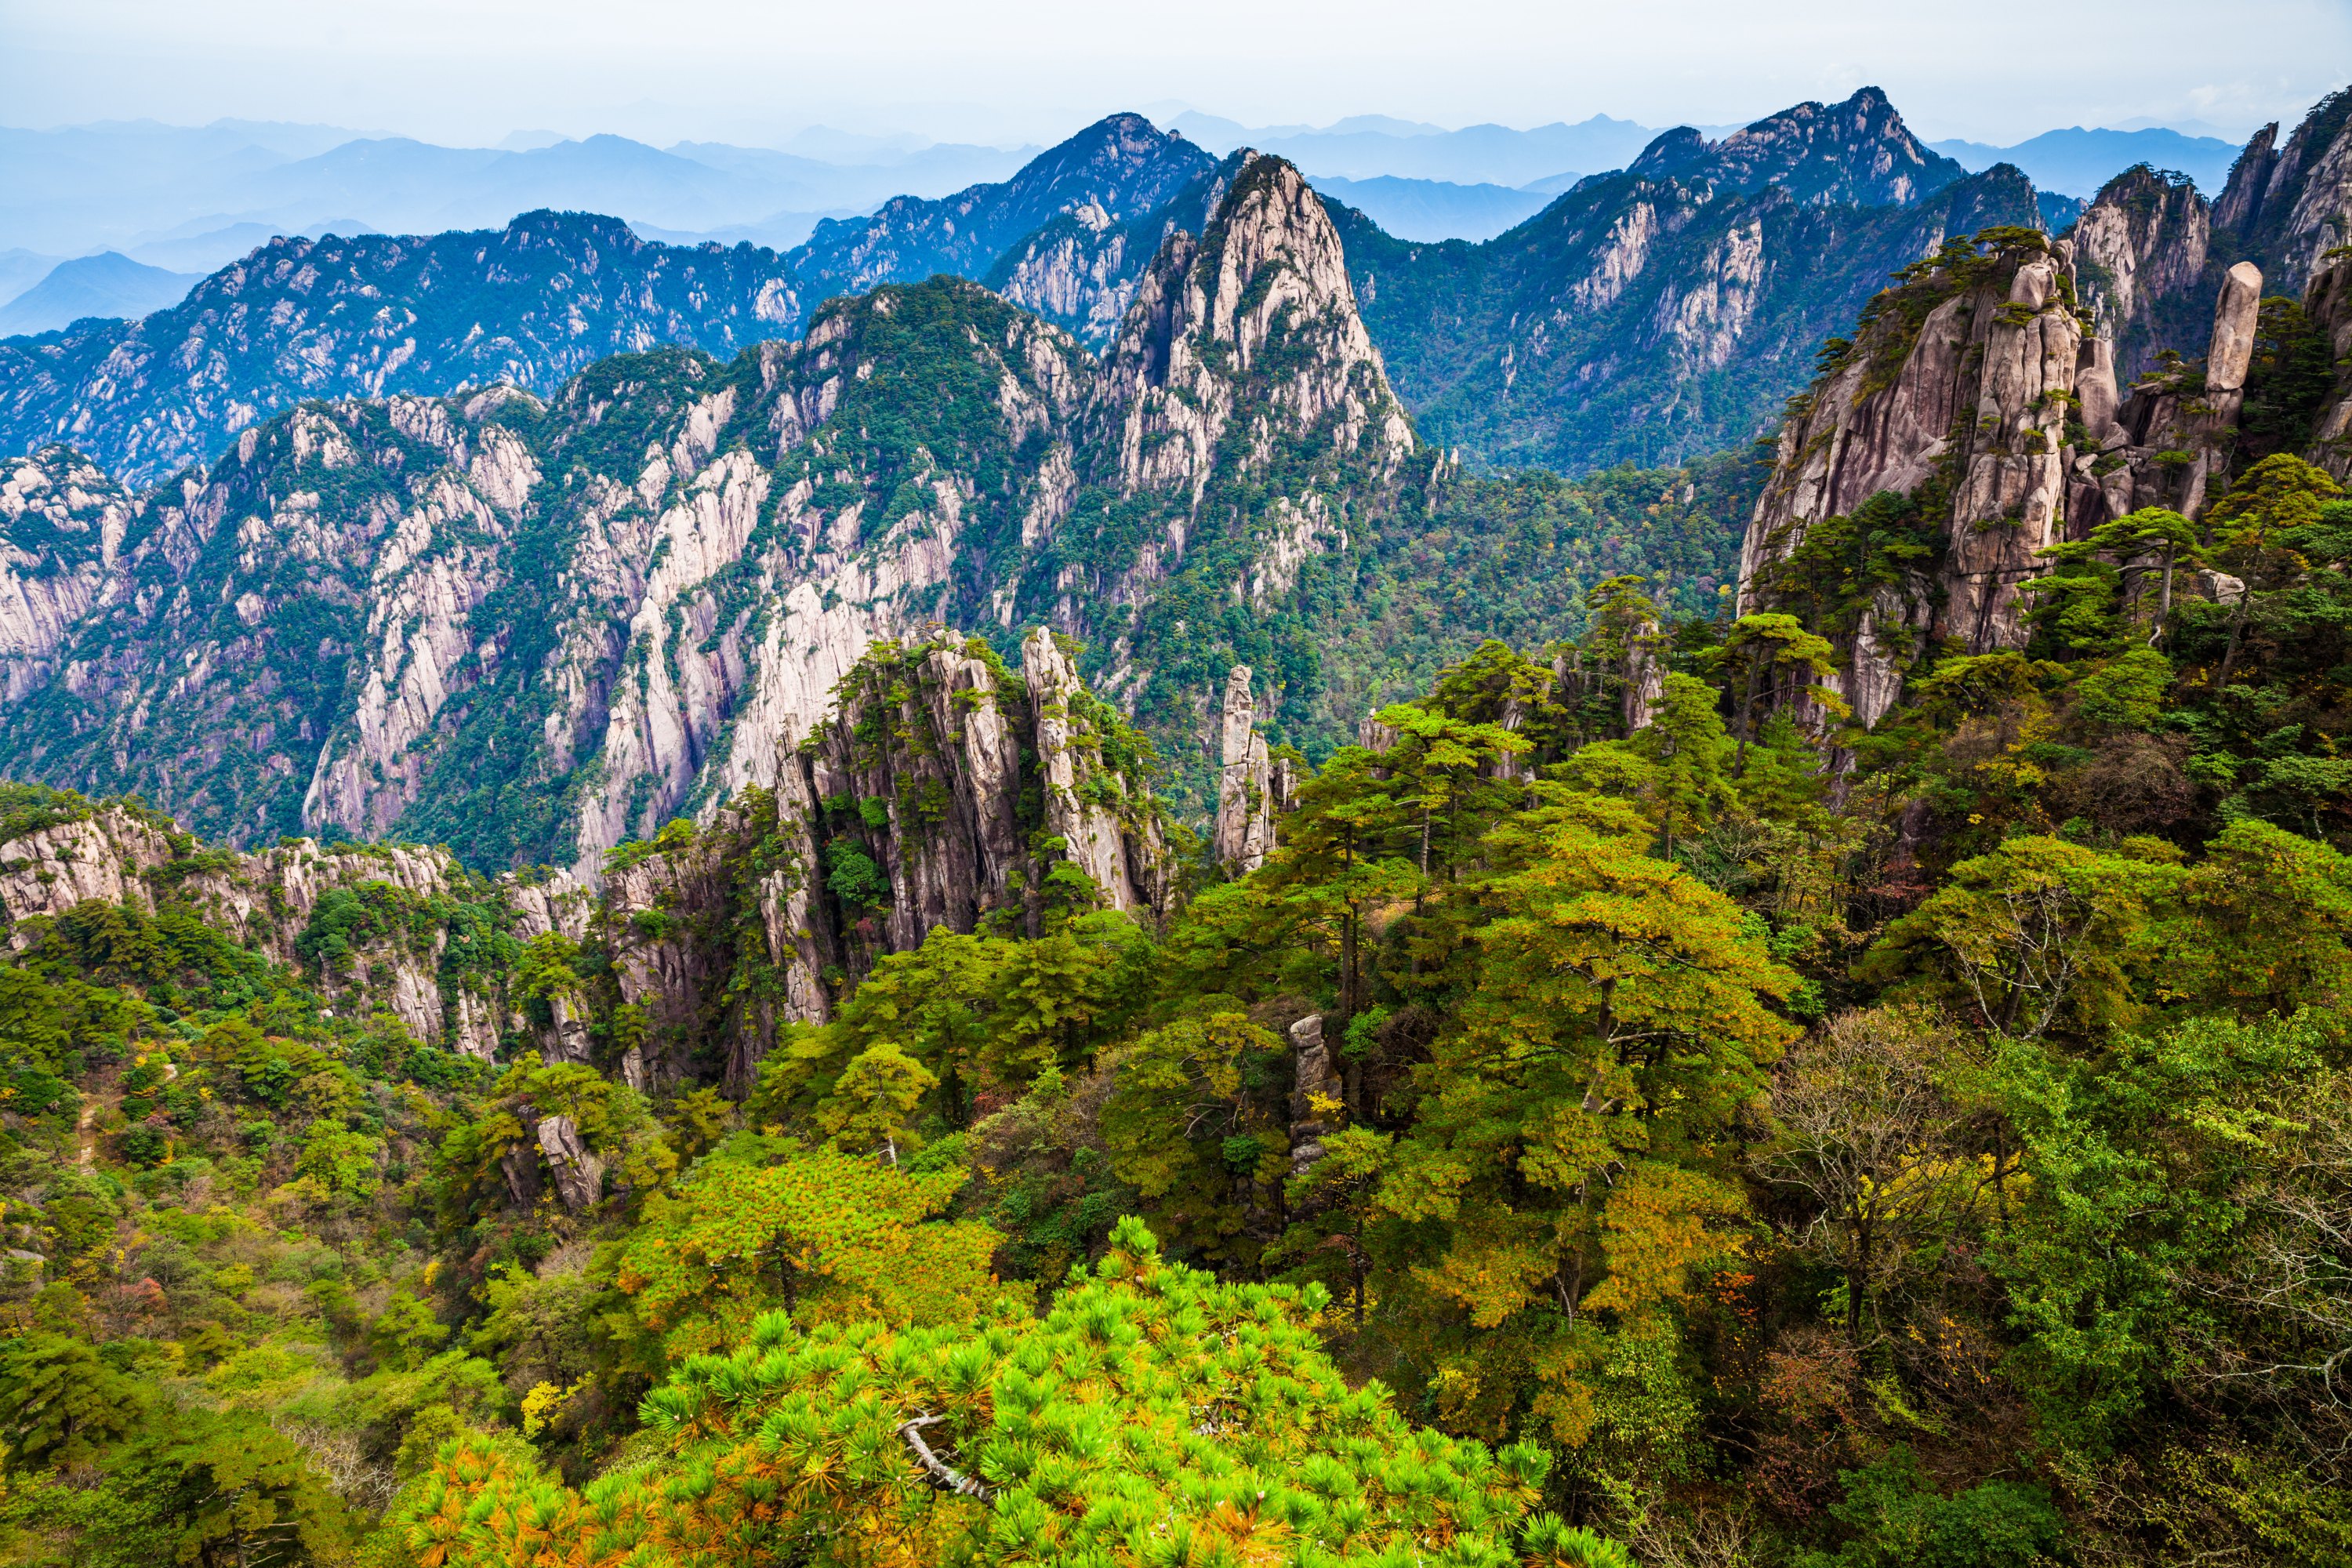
pixel 2232 349
pixel 1316 1079
pixel 1980 396
pixel 520 1166
pixel 579 1174
pixel 1254 790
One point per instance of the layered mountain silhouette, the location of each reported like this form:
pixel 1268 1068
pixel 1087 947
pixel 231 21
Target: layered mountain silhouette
pixel 1653 313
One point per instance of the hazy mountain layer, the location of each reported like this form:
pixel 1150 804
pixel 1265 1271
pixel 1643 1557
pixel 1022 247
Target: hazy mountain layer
pixel 106 285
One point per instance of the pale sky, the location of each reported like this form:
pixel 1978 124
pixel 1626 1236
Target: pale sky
pixel 469 71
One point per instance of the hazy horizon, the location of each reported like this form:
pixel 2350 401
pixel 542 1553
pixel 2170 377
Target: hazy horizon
pixel 476 73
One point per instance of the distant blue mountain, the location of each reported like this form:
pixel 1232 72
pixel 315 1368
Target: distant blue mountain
pixel 1370 147
pixel 110 285
pixel 1436 209
pixel 2078 162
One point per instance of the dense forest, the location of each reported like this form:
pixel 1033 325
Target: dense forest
pixel 1632 1116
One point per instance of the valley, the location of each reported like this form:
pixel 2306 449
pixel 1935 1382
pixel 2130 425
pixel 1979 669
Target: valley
pixel 1111 869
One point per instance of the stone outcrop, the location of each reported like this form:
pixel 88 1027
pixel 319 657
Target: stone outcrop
pixel 1975 402
pixel 537 631
pixel 578 1173
pixel 2140 252
pixel 2003 416
pixel 1316 1094
pixel 2170 442
pixel 1644 686
pixel 61 526
pixel 1266 286
pixel 940 790
pixel 2328 301
pixel 268 899
pixel 2288 205
pixel 1105 825
pixel 1254 787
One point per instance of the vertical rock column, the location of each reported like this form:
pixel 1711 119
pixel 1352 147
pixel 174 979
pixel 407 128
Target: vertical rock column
pixel 2227 360
pixel 2012 488
pixel 1123 859
pixel 1253 790
pixel 1316 1097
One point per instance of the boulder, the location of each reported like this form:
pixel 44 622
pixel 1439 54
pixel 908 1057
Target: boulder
pixel 579 1174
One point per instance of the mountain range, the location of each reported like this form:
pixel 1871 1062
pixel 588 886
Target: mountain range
pixel 108 286
pixel 614 578
pixel 534 627
pixel 186 198
pixel 2074 161
pixel 1658 313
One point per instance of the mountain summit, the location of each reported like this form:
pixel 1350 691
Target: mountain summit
pixel 1859 153
pixel 534 630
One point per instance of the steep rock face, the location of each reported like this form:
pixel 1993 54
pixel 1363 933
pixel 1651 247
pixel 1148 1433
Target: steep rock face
pixel 1253 788
pixel 1107 829
pixel 1121 167
pixel 1653 314
pixel 2140 252
pixel 943 790
pixel 1956 392
pixel 1242 360
pixel 2289 205
pixel 1976 413
pixel 936 738
pixel 536 630
pixel 1255 321
pixel 1080 269
pixel 373 315
pixel 2134 458
pixel 2329 300
pixel 62 521
pixel 1858 153
pixel 271 899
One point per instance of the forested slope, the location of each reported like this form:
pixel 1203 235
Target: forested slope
pixel 1742 1136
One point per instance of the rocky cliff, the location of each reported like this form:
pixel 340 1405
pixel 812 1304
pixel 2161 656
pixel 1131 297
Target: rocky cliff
pixel 1667 310
pixel 1117 170
pixel 1254 787
pixel 375 315
pixel 382 928
pixel 2150 253
pixel 2289 204
pixel 2328 303
pixel 534 630
pixel 1974 421
pixel 940 789
pixel 1957 389
pixel 62 521
pixel 2140 252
